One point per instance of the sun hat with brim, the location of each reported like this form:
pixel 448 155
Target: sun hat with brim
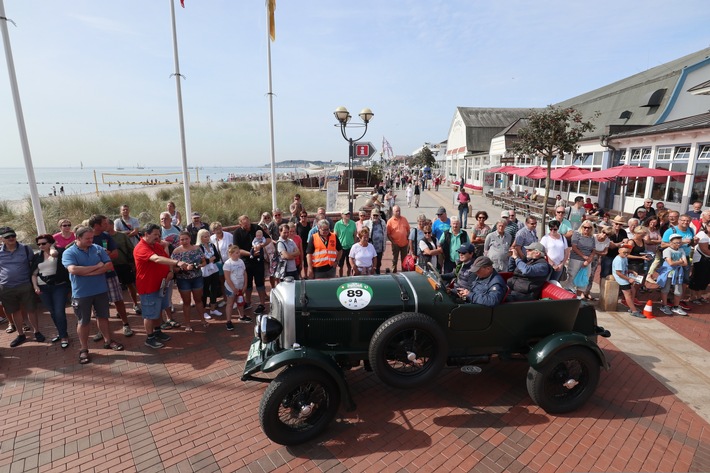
pixel 619 219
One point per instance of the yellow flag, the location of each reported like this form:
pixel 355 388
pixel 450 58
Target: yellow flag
pixel 271 6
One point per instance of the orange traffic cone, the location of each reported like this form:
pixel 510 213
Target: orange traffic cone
pixel 648 310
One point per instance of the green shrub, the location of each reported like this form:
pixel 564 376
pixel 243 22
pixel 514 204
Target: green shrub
pixel 223 202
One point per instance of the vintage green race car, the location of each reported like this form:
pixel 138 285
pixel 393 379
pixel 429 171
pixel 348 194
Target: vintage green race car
pixel 406 327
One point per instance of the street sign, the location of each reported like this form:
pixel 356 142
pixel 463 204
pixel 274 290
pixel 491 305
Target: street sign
pixel 364 150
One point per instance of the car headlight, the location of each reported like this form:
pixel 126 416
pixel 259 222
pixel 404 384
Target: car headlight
pixel 267 328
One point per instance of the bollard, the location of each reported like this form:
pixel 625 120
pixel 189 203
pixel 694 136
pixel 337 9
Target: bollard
pixel 609 294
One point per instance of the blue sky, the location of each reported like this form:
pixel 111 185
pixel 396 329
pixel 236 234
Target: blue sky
pixel 95 87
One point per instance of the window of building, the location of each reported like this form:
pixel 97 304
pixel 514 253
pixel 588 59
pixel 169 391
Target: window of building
pixel 704 152
pixel 637 187
pixel 700 183
pixel 681 152
pixel 664 153
pixel 671 188
pixel 598 158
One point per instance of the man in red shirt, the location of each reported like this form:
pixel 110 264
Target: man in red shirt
pixel 154 271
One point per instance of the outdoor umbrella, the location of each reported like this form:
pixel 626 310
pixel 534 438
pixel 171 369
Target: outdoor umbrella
pixel 631 171
pixel 503 169
pixel 533 172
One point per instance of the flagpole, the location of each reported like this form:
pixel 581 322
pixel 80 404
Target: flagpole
pixel 34 195
pixel 185 173
pixel 271 108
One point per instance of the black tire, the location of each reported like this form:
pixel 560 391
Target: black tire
pixel 292 391
pixel 577 365
pixel 400 336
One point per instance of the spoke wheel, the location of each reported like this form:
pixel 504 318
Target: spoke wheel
pixel 298 405
pixel 566 381
pixel 408 350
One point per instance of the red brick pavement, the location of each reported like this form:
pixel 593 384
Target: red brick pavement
pixel 183 408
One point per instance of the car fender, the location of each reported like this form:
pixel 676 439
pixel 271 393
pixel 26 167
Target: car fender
pixel 548 346
pixel 304 356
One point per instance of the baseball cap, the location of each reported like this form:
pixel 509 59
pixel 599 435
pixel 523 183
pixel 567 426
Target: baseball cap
pixel 345 212
pixel 504 214
pixel 467 248
pixel 481 262
pixel 672 237
pixel 440 210
pixel 641 210
pixel 536 246
pixel 196 214
pixel 6 232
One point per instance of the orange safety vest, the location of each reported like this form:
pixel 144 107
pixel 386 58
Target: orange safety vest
pixel 324 255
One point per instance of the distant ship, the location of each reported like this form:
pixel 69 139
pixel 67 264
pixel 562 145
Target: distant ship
pixel 139 166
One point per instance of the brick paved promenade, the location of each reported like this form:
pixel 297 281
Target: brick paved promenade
pixel 183 408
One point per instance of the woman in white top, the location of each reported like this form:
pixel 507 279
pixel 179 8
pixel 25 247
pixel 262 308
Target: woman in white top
pixel 700 277
pixel 556 249
pixel 175 217
pixel 363 257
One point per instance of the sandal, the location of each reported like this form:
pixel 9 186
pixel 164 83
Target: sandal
pixel 65 344
pixel 189 329
pixel 115 346
pixel 84 357
pixel 10 328
pixel 173 323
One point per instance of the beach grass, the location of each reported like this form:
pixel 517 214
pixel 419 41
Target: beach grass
pixel 223 202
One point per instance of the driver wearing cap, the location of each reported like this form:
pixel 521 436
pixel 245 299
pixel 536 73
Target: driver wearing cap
pixel 463 274
pixel 530 274
pixel 487 288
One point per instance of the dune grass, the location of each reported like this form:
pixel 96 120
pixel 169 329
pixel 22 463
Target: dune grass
pixel 223 202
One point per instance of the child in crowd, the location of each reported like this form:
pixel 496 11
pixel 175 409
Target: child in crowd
pixel 235 284
pixel 625 278
pixel 672 273
pixel 257 245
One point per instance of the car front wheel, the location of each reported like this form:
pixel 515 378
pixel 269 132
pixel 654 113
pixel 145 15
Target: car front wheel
pixel 408 350
pixel 298 405
pixel 566 381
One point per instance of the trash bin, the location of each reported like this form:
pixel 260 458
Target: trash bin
pixel 609 294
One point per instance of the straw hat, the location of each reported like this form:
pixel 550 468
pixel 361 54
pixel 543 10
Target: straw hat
pixel 619 219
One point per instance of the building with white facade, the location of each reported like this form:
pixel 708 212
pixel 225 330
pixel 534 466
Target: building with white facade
pixel 654 118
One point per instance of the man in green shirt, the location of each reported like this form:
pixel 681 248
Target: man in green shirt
pixel 346 231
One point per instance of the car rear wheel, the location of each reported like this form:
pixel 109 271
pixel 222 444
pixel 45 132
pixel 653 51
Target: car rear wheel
pixel 298 405
pixel 566 381
pixel 408 350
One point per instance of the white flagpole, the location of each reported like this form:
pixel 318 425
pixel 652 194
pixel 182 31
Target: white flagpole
pixel 271 110
pixel 34 195
pixel 185 173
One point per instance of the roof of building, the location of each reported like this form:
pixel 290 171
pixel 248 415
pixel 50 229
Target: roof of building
pixel 482 124
pixel 682 124
pixel 639 99
pixel 512 129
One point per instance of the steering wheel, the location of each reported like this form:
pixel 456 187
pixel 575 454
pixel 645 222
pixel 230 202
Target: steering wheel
pixel 437 276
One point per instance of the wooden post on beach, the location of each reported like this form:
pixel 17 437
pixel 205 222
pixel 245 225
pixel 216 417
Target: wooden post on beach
pixel 96 183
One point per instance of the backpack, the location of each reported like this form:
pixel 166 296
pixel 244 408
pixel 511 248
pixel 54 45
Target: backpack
pixel 277 265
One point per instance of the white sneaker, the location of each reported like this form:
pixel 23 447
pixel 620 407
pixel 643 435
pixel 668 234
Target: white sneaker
pixel 677 310
pixel 215 312
pixel 235 306
pixel 666 310
pixel 207 316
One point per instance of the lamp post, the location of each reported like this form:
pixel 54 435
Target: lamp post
pixel 343 117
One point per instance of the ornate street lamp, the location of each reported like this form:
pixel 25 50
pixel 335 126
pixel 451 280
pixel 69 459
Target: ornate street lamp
pixel 343 117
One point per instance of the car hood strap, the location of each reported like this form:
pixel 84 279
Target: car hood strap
pixel 403 294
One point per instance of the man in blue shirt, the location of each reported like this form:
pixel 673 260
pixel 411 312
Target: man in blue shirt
pixel 441 224
pixel 88 264
pixel 16 291
pixel 488 288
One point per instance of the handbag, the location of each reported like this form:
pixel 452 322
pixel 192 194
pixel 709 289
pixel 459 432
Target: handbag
pixel 564 276
pixel 582 277
pixel 408 263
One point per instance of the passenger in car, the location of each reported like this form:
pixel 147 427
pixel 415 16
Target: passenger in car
pixel 463 274
pixel 488 287
pixel 530 274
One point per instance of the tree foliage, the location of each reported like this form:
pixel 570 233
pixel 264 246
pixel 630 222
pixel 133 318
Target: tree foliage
pixel 552 132
pixel 425 157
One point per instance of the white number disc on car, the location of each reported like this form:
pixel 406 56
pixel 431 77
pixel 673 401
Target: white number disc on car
pixel 354 295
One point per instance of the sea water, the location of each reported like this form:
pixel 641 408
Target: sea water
pixel 14 184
